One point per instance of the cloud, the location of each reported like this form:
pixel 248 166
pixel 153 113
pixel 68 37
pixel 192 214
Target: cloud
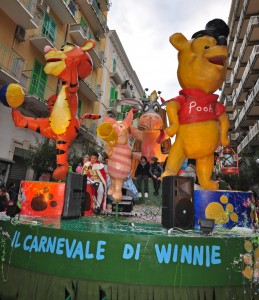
pixel 144 28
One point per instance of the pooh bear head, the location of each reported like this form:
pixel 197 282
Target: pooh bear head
pixel 203 59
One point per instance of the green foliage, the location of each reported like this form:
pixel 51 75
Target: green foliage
pixel 248 174
pixel 42 157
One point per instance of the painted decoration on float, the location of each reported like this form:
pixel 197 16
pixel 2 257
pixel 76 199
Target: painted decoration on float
pixel 40 198
pixel 197 120
pixel 227 208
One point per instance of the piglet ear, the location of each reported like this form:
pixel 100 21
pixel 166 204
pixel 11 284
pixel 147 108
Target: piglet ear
pixel 109 120
pixel 128 118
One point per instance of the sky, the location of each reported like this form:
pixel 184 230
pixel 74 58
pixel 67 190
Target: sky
pixel 144 28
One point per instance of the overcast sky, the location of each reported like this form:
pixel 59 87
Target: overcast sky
pixel 144 28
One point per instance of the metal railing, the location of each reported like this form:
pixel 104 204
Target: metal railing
pixel 11 62
pixel 37 87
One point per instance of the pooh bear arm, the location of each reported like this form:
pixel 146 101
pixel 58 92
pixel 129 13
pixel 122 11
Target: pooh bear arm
pixel 224 126
pixel 172 109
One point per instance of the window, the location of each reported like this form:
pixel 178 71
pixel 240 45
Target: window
pixel 48 28
pixel 113 96
pixel 114 63
pixel 38 80
pixel 73 8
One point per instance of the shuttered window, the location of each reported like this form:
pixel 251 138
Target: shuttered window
pixel 38 80
pixel 49 28
pixel 113 96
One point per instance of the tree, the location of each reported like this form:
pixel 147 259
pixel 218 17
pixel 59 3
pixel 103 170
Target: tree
pixel 42 157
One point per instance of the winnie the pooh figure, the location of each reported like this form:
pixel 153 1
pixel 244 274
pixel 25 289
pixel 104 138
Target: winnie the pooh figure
pixel 197 119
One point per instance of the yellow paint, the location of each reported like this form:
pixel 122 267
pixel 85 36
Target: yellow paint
pixel 223 199
pixel 197 140
pixel 248 246
pixel 15 95
pixel 216 211
pixel 229 207
pixel 233 217
pixel 256 253
pixel 60 116
pixel 248 272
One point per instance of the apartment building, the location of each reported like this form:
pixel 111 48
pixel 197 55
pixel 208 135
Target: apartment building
pixel 26 26
pixel 240 92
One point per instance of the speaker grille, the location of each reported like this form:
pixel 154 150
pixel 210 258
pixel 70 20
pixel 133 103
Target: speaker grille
pixel 177 202
pixel 75 196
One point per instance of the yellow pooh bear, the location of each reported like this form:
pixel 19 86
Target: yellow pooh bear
pixel 195 116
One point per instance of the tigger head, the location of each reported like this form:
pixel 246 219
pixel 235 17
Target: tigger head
pixel 69 59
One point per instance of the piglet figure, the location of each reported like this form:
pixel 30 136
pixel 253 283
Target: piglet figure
pixel 119 153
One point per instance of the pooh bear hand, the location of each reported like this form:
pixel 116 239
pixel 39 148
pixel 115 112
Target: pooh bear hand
pixel 224 141
pixel 171 130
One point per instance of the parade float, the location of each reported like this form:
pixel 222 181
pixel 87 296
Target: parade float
pixel 101 257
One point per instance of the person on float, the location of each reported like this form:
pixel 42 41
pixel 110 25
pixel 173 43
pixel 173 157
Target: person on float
pixel 142 174
pixel 155 172
pixel 95 172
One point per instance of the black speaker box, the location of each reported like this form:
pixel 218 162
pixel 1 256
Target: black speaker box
pixel 177 202
pixel 75 196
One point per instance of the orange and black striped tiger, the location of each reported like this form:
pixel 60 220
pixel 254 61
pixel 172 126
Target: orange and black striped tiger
pixel 69 64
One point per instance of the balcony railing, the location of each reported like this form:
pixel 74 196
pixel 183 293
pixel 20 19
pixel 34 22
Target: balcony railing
pixel 11 62
pixel 249 138
pixel 22 12
pixel 37 87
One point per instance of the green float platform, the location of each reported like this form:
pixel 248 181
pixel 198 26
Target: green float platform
pixel 98 258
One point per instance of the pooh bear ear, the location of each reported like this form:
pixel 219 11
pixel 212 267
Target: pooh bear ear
pixel 178 40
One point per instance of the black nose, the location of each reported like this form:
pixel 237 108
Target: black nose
pixel 222 41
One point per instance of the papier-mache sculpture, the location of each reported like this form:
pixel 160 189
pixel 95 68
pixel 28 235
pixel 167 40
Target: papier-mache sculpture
pixel 70 64
pixel 116 135
pixel 195 116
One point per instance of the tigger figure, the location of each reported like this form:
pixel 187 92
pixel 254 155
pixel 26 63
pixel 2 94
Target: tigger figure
pixel 70 64
pixel 119 163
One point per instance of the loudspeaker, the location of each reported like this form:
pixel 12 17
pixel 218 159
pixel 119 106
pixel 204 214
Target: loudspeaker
pixel 177 202
pixel 75 196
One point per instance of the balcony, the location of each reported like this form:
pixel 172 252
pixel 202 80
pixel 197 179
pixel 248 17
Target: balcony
pixel 36 96
pixel 89 127
pixel 237 72
pixel 89 88
pixel 250 141
pixel 22 12
pixel 66 10
pixel 94 16
pixel 251 7
pixel 239 95
pixel 105 5
pixel 250 73
pixel 79 33
pixel 126 89
pixel 11 66
pixel 228 103
pixel 43 37
pixel 250 38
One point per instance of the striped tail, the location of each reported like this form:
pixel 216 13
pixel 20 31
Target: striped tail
pixel 89 116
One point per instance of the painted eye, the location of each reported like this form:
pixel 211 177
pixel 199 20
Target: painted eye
pixel 156 108
pixel 206 47
pixel 146 107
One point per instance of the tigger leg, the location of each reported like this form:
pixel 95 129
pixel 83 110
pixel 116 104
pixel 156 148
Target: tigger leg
pixel 62 147
pixel 40 125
